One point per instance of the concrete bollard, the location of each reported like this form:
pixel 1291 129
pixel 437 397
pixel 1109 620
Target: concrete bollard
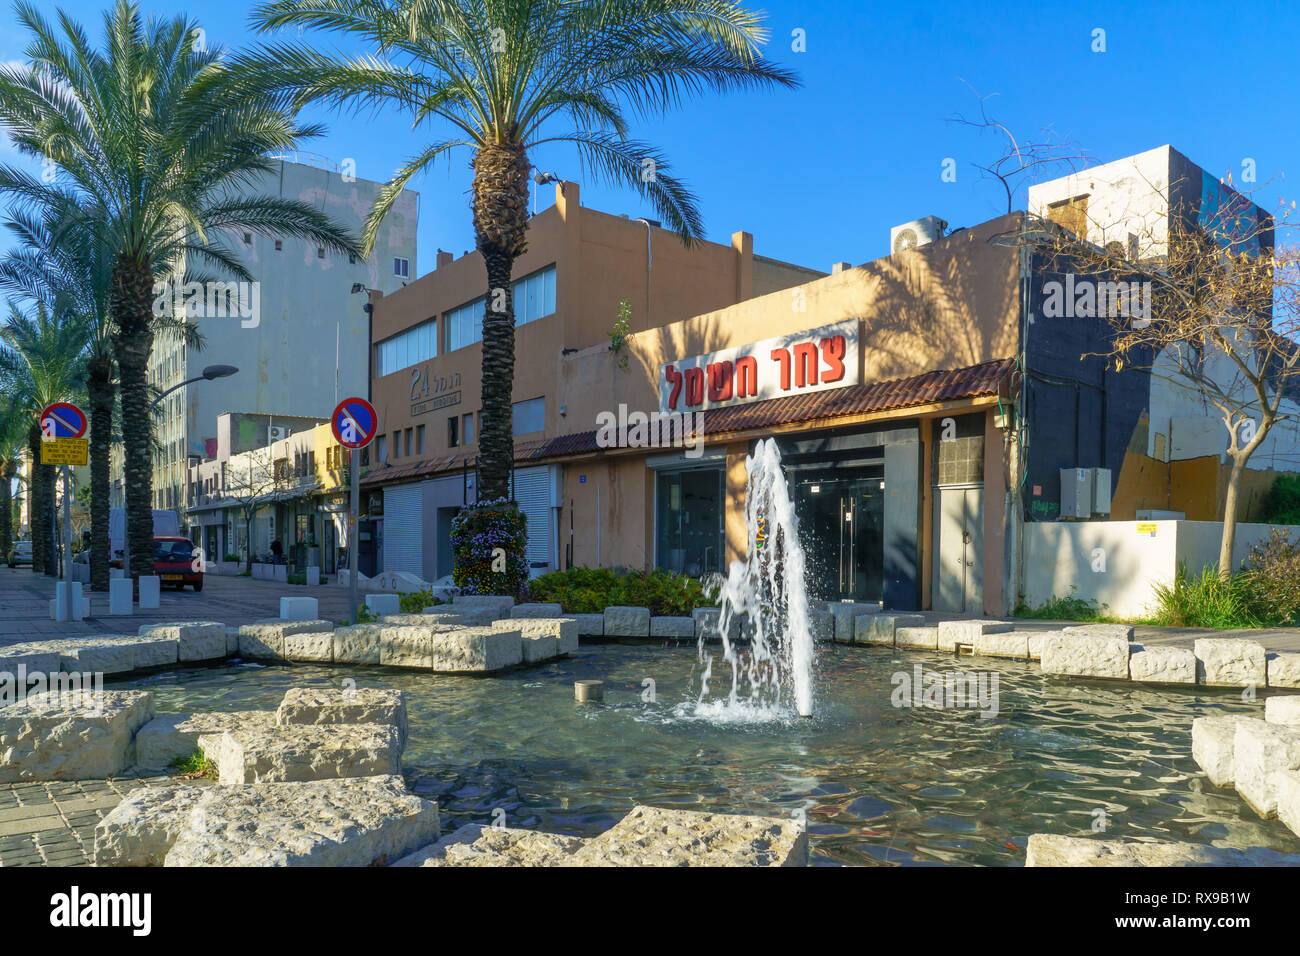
pixel 313 576
pixel 587 691
pixel 150 591
pixel 119 596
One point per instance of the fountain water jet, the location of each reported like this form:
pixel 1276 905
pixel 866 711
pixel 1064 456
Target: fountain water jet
pixel 772 670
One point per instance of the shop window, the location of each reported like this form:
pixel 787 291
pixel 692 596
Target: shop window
pixel 690 521
pixel 529 416
pixel 959 450
pixel 453 431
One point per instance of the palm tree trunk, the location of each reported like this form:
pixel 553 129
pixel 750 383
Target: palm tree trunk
pixel 99 388
pixel 500 208
pixel 6 509
pixel 39 499
pixel 131 306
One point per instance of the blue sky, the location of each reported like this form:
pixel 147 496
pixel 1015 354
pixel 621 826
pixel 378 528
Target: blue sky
pixel 820 174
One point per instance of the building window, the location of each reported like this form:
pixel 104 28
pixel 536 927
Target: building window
pixel 397 444
pixel 534 296
pixel 453 431
pixel 365 456
pixel 320 252
pixel 419 439
pixel 417 344
pixel 248 238
pixel 401 267
pixel 1071 214
pixel 352 260
pixel 528 416
pixel 381 449
pixel 279 245
pixel 465 324
pixel 467 428
pixel 406 444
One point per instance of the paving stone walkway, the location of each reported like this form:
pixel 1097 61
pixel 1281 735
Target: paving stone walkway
pixel 53 823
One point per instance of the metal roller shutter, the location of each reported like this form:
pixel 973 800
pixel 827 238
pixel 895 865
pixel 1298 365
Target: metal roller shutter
pixel 404 529
pixel 533 492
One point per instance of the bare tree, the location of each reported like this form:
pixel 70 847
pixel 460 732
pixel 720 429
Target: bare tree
pixel 1021 161
pixel 250 484
pixel 1202 297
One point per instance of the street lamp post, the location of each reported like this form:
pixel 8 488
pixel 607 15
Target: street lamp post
pixel 208 374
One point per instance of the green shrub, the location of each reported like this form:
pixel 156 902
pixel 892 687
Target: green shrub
pixel 414 602
pixel 1061 609
pixel 196 765
pixel 1271 580
pixel 1207 600
pixel 477 533
pixel 591 590
pixel 1282 503
pixel 232 557
pixel 365 615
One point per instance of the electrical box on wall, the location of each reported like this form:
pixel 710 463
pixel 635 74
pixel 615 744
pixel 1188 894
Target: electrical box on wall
pixel 1085 492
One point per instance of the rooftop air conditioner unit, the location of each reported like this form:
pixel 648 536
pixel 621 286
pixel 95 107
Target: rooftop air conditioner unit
pixel 919 232
pixel 275 433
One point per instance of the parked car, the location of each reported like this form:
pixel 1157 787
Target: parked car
pixel 173 562
pixel 21 554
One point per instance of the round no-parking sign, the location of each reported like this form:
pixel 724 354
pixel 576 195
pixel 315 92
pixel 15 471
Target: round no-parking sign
pixel 355 423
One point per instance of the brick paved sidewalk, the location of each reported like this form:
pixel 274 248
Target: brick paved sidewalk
pixel 53 823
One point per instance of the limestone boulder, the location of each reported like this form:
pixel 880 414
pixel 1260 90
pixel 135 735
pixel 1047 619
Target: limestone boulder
pixel 1282 667
pixel 1085 655
pixel 1051 850
pixel 1283 710
pixel 496 606
pixel 354 822
pixel 563 629
pixel 298 752
pixel 536 610
pixel 881 628
pixel 264 640
pixel 1230 662
pixel 589 625
pixel 623 621
pixel 1212 743
pixel 310 646
pixel 1121 631
pixel 71 736
pixel 476 845
pixel 821 623
pixel 1286 787
pixel 844 615
pixel 1158 664
pixel 171 736
pixel 917 638
pixel 357 643
pixel 1013 644
pixel 964 632
pixel 142 828
pixel 195 640
pixel 32 658
pixel 318 706
pixel 538 648
pixel 1259 751
pixel 653 836
pixel 673 628
pixel 477 650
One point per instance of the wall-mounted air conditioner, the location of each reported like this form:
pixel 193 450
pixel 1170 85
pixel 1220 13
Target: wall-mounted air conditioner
pixel 919 232
pixel 275 433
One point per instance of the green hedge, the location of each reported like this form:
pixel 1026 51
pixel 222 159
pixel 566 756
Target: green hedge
pixel 591 590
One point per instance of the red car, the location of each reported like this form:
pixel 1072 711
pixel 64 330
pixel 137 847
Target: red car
pixel 174 561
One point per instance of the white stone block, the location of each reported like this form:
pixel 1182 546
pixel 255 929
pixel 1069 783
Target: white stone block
pixel 1259 749
pixel 1122 631
pixel 295 752
pixel 537 648
pixel 495 606
pixel 707 623
pixel 120 600
pixel 844 615
pixel 880 628
pixel 1052 850
pixel 1283 669
pixel 623 621
pixel 20 660
pixel 142 828
pixel 171 736
pixel 281 575
pixel 353 705
pixel 491 846
pixel 653 836
pixel 150 591
pixel 357 643
pixel 536 610
pixel 73 736
pixel 384 603
pixel 1083 655
pixel 477 650
pixel 676 628
pixel 354 822
pixel 59 603
pixel 299 609
pixel 264 639
pixel 1283 710
pixel 1286 786
pixel 563 629
pixel 196 640
pixel 1230 662
pixel 917 638
pixel 310 646
pixel 952 633
pixel 313 577
pixel 1212 741
pixel 1159 664
pixel 1013 644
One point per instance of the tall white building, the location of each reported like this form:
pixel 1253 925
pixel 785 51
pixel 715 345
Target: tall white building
pixel 298 335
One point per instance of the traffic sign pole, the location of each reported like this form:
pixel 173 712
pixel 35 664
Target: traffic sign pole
pixel 354 509
pixel 67 543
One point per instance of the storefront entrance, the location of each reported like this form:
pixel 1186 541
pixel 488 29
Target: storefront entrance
pixel 841 520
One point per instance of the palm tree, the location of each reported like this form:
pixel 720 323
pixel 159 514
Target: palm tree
pixel 501 74
pixel 153 137
pixel 62 266
pixel 41 362
pixel 11 452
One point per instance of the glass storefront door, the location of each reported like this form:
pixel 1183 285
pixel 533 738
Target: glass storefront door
pixel 689 521
pixel 841 525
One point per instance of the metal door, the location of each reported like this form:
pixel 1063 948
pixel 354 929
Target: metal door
pixel 959 580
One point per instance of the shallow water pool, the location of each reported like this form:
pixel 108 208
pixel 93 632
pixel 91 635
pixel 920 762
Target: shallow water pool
pixel 877 784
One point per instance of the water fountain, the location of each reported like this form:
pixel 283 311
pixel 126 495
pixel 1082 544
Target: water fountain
pixel 764 602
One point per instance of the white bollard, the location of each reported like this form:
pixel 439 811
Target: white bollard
pixel 299 609
pixel 587 691
pixel 313 576
pixel 119 596
pixel 59 605
pixel 281 573
pixel 150 591
pixel 384 603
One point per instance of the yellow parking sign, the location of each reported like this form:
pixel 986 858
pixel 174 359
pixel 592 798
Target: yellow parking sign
pixel 64 451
